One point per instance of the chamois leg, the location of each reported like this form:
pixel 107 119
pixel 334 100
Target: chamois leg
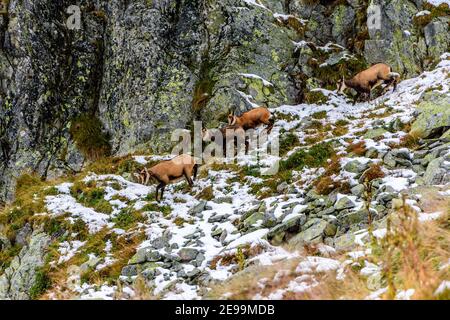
pixel 270 125
pixel 358 95
pixel 188 179
pixel 158 187
pixel 162 192
pixel 195 171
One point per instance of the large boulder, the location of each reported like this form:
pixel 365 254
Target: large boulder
pixel 18 279
pixel 437 173
pixel 434 113
pixel 313 232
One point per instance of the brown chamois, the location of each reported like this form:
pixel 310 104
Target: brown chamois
pixel 252 119
pixel 169 171
pixel 230 132
pixel 367 80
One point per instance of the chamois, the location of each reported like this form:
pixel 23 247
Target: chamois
pixel 252 119
pixel 229 132
pixel 367 80
pixel 169 171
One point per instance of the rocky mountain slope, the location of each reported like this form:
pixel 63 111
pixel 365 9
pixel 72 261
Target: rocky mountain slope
pixel 100 235
pixel 86 108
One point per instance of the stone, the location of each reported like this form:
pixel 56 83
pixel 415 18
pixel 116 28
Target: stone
pixel 358 190
pixel 345 242
pixel 436 174
pixel 375 133
pixel 187 254
pixel 353 217
pixel 313 232
pixel 330 230
pixel 282 188
pixel 434 113
pixel 344 203
pixel 23 235
pixel 4 242
pixel 293 225
pixel 129 271
pixel 153 256
pixel 356 166
pixel 199 208
pixel 139 257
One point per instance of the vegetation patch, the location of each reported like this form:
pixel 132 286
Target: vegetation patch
pixel 315 157
pixel 41 284
pixel 128 218
pixel 91 196
pixel 165 210
pixel 357 148
pixel 288 142
pixel 89 137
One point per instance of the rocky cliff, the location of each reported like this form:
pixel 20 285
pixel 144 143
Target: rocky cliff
pixel 82 107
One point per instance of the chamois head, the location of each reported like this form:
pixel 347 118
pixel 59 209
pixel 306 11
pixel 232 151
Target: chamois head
pixel 231 119
pixel 341 86
pixel 143 176
pixel 206 134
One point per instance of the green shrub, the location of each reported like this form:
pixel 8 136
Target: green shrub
pixel 89 137
pixel 127 218
pixel 91 196
pixel 288 142
pixel 42 282
pixel 315 157
pixel 165 210
pixel 319 115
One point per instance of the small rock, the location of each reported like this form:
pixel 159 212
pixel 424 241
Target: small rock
pixel 23 235
pixel 282 188
pixel 199 208
pixel 218 218
pixel 313 232
pixel 223 236
pixel 129 271
pixel 344 203
pixel 4 242
pixel 358 190
pixel 139 257
pixel 291 225
pixel 356 167
pixel 187 254
pixel 375 133
pixel 224 200
pixel 153 256
pixel 330 230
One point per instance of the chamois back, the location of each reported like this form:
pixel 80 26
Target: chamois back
pixel 252 119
